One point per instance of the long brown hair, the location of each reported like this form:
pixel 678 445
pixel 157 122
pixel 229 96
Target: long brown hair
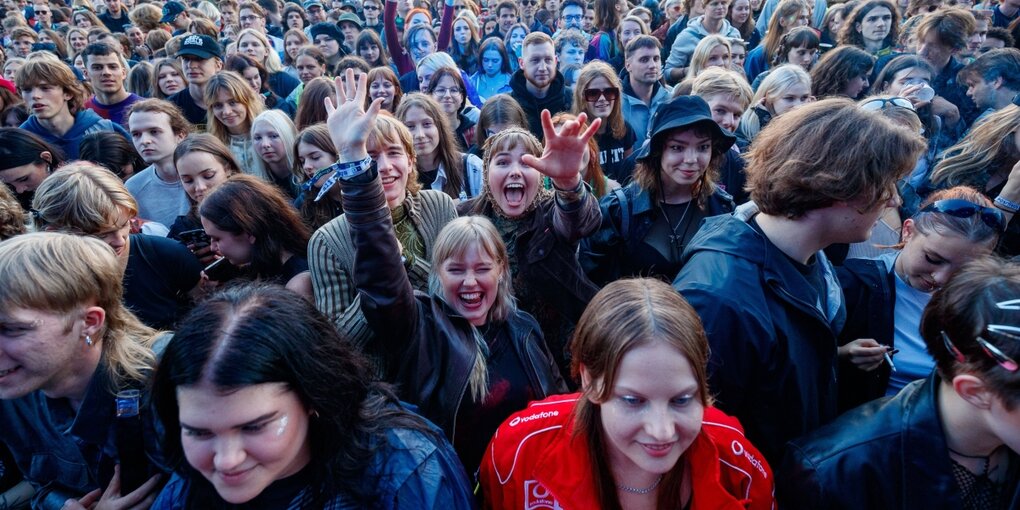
pixel 246 204
pixel 315 214
pixel 387 74
pixel 205 142
pixel 311 109
pixel 447 151
pixel 591 71
pixel 624 315
pixel 648 171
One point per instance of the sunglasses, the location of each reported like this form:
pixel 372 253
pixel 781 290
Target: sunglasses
pixel 529 2
pixel 963 209
pixel 610 93
pixel 878 104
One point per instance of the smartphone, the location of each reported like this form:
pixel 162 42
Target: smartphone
pixel 196 237
pixel 220 270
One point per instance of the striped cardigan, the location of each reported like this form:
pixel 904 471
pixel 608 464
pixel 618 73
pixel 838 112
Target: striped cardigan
pixel 331 259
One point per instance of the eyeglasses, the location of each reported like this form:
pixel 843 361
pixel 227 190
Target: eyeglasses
pixel 878 104
pixel 573 17
pixel 610 93
pixel 960 208
pixel 373 8
pixel 453 91
pixel 529 2
pixel 250 17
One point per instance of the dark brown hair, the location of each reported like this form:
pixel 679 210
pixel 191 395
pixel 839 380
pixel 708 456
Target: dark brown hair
pixel 248 205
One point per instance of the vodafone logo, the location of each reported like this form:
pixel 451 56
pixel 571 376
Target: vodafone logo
pixel 537 416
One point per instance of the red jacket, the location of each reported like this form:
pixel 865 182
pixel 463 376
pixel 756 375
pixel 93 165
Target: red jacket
pixel 535 462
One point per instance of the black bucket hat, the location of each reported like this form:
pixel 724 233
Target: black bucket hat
pixel 685 111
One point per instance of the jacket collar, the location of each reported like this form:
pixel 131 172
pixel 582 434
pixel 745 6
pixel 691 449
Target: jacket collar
pixel 928 479
pixel 95 415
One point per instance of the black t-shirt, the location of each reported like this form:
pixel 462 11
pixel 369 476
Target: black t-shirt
pixel 294 266
pixel 611 154
pixel 115 24
pixel 194 113
pixel 160 273
pixel 509 392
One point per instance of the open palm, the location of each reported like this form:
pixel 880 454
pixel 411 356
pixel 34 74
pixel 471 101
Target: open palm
pixel 349 125
pixel 564 151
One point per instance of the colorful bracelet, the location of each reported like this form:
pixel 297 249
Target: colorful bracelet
pixel 1006 204
pixel 344 171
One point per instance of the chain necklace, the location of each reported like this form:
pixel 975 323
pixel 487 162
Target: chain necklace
pixel 646 490
pixel 676 238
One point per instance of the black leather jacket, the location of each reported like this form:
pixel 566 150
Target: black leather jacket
pixel 428 349
pixel 888 454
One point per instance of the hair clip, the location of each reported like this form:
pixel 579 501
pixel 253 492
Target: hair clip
pixel 952 348
pixel 1012 304
pixel 993 352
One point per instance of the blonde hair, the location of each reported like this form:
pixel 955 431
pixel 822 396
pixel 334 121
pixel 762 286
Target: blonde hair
pixel 778 81
pixel 718 81
pixel 89 272
pixel 83 197
pixel 284 127
pixel 702 51
pixel 615 124
pixel 238 89
pixel 988 147
pixel 453 241
pixel 272 60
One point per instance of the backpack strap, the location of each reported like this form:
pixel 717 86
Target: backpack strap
pixel 625 212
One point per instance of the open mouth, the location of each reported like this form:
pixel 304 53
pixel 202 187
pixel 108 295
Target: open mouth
pixel 514 193
pixel 388 181
pixel 658 450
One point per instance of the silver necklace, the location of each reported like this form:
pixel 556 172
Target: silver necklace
pixel 646 490
pixel 675 239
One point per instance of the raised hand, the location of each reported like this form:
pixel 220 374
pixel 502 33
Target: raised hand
pixel 349 125
pixel 564 151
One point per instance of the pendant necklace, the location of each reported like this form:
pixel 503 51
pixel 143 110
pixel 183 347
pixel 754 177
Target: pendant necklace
pixel 676 238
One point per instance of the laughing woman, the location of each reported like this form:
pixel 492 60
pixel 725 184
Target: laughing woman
pixel 542 228
pixel 464 354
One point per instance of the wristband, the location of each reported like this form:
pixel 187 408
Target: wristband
pixel 1006 205
pixel 344 171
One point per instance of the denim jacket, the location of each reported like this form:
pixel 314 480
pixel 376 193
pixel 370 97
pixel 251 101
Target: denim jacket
pixel 66 454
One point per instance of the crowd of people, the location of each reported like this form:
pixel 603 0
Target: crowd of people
pixel 516 254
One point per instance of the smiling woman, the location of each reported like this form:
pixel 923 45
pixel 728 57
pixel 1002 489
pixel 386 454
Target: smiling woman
pixel 266 406
pixel 463 353
pixel 642 433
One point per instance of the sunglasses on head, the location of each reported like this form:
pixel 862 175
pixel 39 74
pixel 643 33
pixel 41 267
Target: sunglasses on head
pixel 879 103
pixel 960 208
pixel 610 93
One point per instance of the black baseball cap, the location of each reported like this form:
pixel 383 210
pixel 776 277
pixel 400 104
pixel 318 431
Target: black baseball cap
pixel 685 111
pixel 171 10
pixel 201 46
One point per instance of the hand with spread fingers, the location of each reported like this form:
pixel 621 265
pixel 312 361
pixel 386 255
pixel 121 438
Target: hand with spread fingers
pixel 349 124
pixel 564 151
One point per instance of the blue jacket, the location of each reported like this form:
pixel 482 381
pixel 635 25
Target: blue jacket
pixel 85 122
pixel 636 112
pixel 411 469
pixel 773 362
pixel 66 454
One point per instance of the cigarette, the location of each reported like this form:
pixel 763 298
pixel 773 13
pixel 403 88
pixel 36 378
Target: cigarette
pixel 888 360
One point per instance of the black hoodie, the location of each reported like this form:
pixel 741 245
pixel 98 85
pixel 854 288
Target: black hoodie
pixel 557 99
